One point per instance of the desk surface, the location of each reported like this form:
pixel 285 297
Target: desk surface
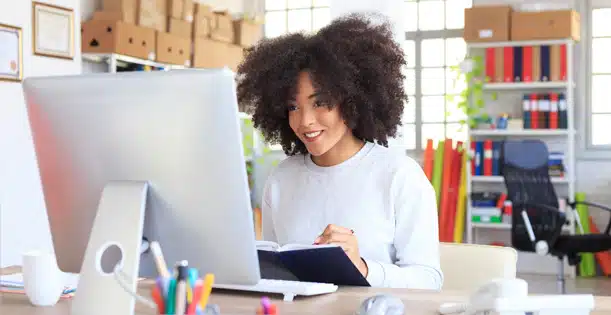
pixel 344 301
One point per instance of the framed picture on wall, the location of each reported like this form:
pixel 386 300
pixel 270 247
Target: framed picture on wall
pixel 53 31
pixel 11 53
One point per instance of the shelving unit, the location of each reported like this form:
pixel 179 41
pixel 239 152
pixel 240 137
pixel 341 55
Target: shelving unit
pixel 566 186
pixel 525 86
pixel 114 60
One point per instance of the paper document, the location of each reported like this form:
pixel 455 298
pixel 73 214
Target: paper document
pixel 16 280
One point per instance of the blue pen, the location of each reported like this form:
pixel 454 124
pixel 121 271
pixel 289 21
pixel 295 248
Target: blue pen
pixel 68 291
pixel 162 286
pixel 193 276
pixel 165 284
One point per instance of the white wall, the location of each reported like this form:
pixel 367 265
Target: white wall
pixel 23 220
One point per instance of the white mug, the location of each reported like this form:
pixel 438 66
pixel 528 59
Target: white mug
pixel 42 280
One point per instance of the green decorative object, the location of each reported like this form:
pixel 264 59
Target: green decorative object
pixel 469 77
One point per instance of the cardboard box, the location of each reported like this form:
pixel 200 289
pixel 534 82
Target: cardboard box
pixel 173 49
pixel 127 9
pixel 106 36
pixel 180 27
pixel 247 32
pixel 152 13
pixel 187 10
pixel 175 8
pixel 201 12
pixel 209 53
pixel 201 28
pixel 222 29
pixel 558 24
pixel 108 16
pixel 487 23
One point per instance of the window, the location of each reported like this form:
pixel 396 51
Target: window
pixel 433 32
pixel 287 16
pixel 600 80
pixel 433 45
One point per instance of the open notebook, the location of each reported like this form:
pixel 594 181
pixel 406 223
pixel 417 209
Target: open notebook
pixel 310 263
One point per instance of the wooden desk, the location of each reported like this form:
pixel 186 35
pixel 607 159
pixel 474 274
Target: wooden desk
pixel 345 301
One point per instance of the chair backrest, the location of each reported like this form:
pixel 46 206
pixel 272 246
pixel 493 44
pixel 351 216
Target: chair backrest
pixel 466 267
pixel 526 172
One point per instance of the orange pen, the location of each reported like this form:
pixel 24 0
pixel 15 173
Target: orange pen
pixel 157 297
pixel 197 294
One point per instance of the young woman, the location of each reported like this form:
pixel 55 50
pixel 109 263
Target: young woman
pixel 332 100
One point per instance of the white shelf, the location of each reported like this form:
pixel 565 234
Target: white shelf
pixel 520 132
pixel 105 58
pixel 499 179
pixel 491 225
pixel 525 85
pixel 520 43
pixel 502 226
pixel 477 232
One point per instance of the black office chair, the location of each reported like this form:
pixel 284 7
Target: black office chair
pixel 537 222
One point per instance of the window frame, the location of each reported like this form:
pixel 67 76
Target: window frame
pixel 418 37
pixel 584 115
pixel 286 11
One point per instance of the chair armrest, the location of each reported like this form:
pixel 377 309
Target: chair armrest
pixel 595 205
pixel 543 224
pixel 591 204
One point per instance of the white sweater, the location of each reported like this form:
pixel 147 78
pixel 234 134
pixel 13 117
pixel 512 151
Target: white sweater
pixel 384 197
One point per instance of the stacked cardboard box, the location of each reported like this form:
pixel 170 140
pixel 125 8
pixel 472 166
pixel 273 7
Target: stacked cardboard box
pixel 216 40
pixel 180 18
pixel 136 28
pixel 180 32
pixel 495 23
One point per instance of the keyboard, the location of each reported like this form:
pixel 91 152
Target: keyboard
pixel 288 288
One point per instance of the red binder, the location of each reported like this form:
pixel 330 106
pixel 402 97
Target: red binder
pixel 527 64
pixel 553 113
pixel 508 62
pixel 472 154
pixel 487 157
pixel 563 63
pixel 490 64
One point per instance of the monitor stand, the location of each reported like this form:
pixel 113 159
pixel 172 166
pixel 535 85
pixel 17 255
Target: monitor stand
pixel 118 226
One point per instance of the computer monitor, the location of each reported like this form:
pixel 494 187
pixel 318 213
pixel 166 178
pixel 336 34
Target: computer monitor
pixel 179 131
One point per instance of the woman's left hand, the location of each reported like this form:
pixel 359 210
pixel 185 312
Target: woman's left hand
pixel 344 237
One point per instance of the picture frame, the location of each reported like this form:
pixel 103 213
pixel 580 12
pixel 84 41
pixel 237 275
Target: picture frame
pixel 11 53
pixel 52 31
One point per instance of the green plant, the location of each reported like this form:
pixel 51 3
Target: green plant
pixel 469 80
pixel 248 143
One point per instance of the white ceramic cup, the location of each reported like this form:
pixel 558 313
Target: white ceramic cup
pixel 42 280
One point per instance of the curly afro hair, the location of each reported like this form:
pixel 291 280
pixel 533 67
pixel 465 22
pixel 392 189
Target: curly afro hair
pixel 353 61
